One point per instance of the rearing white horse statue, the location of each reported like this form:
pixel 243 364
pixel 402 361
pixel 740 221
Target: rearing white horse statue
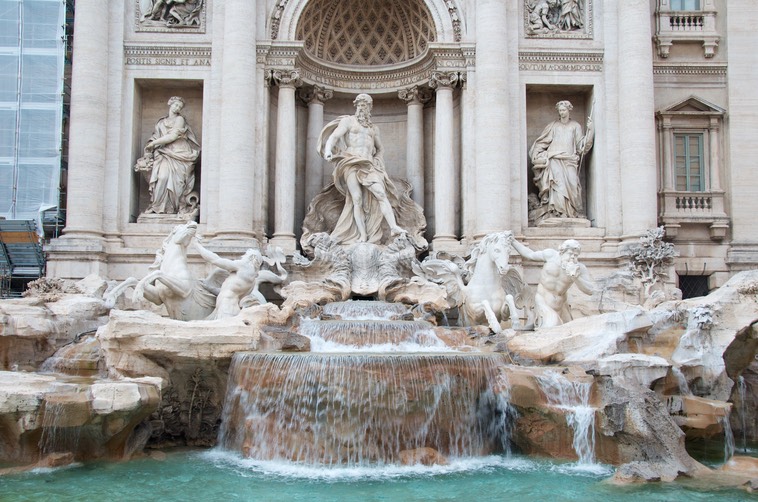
pixel 171 282
pixel 485 288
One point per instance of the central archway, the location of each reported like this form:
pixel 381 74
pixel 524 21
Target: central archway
pixel 366 32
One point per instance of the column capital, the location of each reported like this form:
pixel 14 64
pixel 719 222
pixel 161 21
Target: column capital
pixel 284 78
pixel 315 94
pixel 446 79
pixel 414 95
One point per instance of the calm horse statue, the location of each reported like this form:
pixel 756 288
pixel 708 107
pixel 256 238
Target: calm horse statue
pixel 172 284
pixel 485 286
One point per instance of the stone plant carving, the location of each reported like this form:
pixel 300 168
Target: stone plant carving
pixel 173 13
pixel 557 156
pixel 649 259
pixel 546 17
pixel 363 204
pixel 560 271
pixel 485 289
pixel 168 165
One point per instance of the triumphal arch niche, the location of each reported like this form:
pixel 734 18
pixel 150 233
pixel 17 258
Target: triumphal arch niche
pixel 408 56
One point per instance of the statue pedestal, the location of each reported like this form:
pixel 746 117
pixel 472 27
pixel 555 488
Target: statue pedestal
pixel 172 219
pixel 564 222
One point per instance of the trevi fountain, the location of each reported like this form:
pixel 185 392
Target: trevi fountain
pixel 368 351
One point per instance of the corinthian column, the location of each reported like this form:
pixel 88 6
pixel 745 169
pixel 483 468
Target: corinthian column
pixel 637 160
pixel 314 97
pixel 415 98
pixel 236 169
pixel 444 166
pixel 493 154
pixel 89 115
pixel 284 177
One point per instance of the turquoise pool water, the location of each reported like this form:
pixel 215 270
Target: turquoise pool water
pixel 215 475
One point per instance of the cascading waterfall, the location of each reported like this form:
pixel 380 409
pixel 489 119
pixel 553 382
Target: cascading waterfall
pixel 365 310
pixel 371 335
pixel 741 389
pixel 681 380
pixel 573 398
pixel 60 430
pixel 358 409
pixel 728 438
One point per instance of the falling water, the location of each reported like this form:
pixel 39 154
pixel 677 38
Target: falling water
pixel 370 335
pixel 573 397
pixel 743 412
pixel 365 310
pixel 681 380
pixel 61 426
pixel 359 410
pixel 728 438
pixel 79 358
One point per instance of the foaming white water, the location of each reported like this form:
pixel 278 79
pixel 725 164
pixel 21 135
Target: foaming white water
pixel 301 471
pixel 728 438
pixel 573 397
pixel 422 341
pixel 365 310
pixel 583 469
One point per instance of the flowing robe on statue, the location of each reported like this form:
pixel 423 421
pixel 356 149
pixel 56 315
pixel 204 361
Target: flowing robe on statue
pixel 556 154
pixel 367 172
pixel 173 174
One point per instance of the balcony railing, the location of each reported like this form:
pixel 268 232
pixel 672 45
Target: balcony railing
pixel 681 26
pixel 698 208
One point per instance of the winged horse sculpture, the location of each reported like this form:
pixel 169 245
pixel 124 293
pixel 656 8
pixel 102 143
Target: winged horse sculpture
pixel 485 287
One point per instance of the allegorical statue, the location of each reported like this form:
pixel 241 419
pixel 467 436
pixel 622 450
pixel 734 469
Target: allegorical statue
pixel 557 155
pixel 560 271
pixel 363 204
pixel 168 163
pixel 354 145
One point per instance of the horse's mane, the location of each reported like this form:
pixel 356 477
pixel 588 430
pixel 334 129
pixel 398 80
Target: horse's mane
pixel 490 240
pixel 160 254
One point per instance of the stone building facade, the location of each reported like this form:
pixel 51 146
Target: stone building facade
pixel 461 90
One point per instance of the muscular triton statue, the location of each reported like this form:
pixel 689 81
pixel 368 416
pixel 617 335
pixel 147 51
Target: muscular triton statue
pixel 560 271
pixel 352 142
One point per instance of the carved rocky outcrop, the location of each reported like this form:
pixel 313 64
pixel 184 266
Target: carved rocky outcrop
pixel 191 359
pixel 85 419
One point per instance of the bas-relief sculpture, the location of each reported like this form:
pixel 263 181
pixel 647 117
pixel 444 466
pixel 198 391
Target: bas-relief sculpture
pixel 362 204
pixel 545 17
pixel 172 13
pixel 168 165
pixel 557 156
pixel 560 271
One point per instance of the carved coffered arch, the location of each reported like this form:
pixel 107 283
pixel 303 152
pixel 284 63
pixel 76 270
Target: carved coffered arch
pixel 444 15
pixel 366 32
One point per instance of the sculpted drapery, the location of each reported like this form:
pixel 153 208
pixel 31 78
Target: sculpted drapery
pixel 556 155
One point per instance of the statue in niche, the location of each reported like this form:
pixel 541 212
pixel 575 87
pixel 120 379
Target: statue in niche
pixel 560 271
pixel 554 16
pixel 174 13
pixel 557 156
pixel 363 204
pixel 168 164
pixel 241 286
